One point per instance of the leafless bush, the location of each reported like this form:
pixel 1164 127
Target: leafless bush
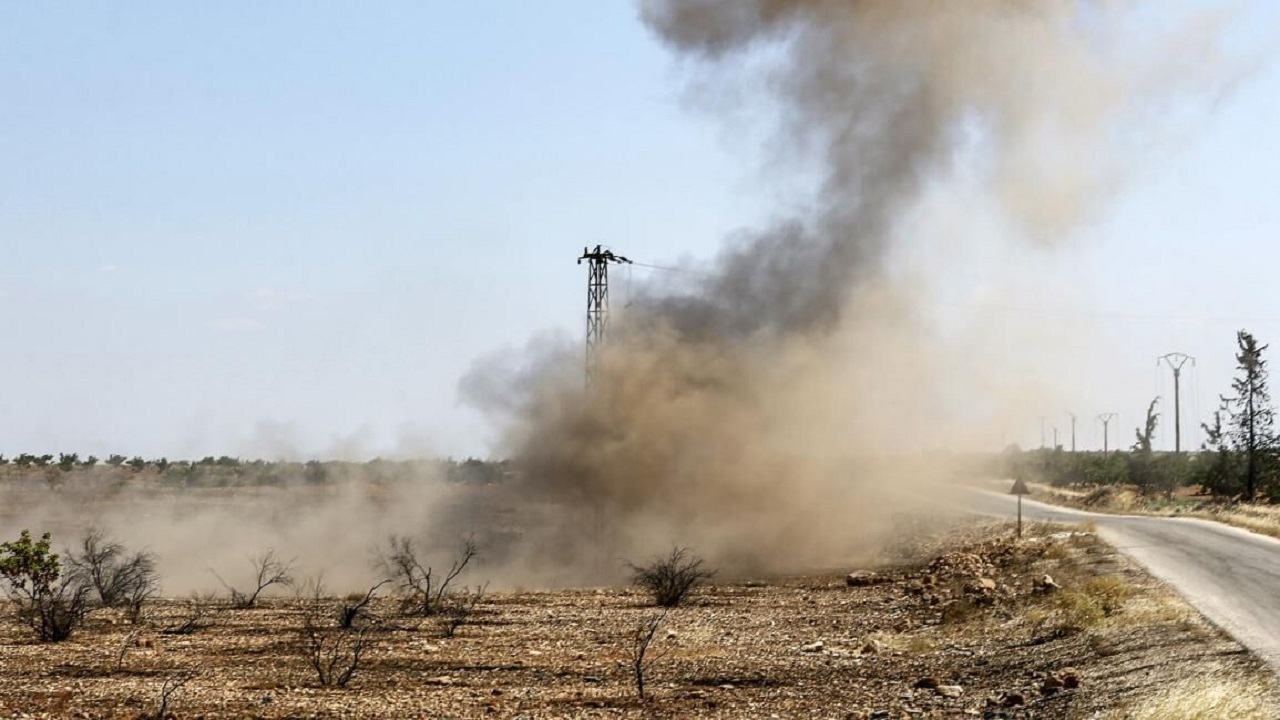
pixel 268 570
pixel 118 579
pixel 196 610
pixel 641 642
pixel 125 644
pixel 334 651
pixel 457 609
pixel 166 696
pixel 423 592
pixel 353 611
pixel 670 578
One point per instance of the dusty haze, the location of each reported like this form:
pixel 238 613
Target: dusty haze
pixel 748 410
pixel 752 409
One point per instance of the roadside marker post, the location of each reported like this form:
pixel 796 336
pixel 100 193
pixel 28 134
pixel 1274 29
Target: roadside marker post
pixel 1020 488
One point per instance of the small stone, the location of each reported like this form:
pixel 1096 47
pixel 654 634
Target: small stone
pixel 813 647
pixel 950 691
pixel 441 680
pixel 727 686
pixel 927 683
pixel 872 647
pixel 1047 584
pixel 1014 699
pixel 864 578
pixel 590 679
pixel 1070 678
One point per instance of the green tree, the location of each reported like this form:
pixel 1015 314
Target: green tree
pixel 67 461
pixel 52 605
pixel 1217 468
pixel 1250 417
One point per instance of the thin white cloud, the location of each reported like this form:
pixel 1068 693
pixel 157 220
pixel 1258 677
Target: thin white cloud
pixel 109 268
pixel 274 299
pixel 239 325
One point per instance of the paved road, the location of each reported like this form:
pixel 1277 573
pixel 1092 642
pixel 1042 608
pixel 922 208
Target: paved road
pixel 1230 575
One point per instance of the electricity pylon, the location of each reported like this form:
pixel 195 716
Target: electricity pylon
pixel 1105 419
pixel 1176 361
pixel 598 261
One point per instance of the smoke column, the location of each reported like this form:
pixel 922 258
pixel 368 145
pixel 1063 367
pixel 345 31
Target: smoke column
pixel 751 412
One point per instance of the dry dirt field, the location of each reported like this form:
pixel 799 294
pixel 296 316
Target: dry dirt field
pixel 963 625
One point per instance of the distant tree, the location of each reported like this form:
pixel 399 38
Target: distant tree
pixel 115 460
pixel 43 460
pixel 1142 467
pixel 1217 466
pixel 137 463
pixel 4 460
pixel 90 461
pixel 1250 416
pixel 162 464
pixel 67 461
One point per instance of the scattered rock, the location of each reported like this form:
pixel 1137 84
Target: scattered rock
pixel 864 578
pixel 928 683
pixel 590 679
pixel 1014 699
pixel 813 647
pixel 1047 584
pixel 950 691
pixel 872 647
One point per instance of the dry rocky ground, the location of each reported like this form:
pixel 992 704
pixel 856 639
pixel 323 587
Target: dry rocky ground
pixel 968 626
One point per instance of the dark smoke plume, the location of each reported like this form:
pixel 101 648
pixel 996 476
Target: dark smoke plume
pixel 750 412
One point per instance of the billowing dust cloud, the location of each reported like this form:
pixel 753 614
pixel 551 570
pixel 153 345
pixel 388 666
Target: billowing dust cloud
pixel 760 411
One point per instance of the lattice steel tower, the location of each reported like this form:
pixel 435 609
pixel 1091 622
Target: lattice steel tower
pixel 597 299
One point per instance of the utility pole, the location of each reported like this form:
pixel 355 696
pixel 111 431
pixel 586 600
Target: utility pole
pixel 1073 431
pixel 598 261
pixel 1055 438
pixel 1176 361
pixel 1042 419
pixel 1105 419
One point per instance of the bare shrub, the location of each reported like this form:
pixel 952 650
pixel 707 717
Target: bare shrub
pixel 669 579
pixel 641 642
pixel 196 610
pixel 268 570
pixel 128 642
pixel 50 601
pixel 457 609
pixel 165 698
pixel 333 650
pixel 118 579
pixel 356 606
pixel 424 592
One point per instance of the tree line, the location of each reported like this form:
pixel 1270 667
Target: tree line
pixel 1240 457
pixel 232 471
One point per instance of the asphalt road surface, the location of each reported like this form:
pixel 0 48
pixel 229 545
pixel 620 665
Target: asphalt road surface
pixel 1230 575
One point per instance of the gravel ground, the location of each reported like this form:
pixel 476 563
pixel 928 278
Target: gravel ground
pixel 969 626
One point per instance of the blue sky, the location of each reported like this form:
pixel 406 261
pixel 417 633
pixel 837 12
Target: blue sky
pixel 288 229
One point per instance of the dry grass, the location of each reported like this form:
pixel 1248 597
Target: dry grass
pixel 1261 519
pixel 1204 698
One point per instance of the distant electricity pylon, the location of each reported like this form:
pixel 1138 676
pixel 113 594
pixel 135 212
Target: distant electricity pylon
pixel 1105 419
pixel 1176 361
pixel 597 299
